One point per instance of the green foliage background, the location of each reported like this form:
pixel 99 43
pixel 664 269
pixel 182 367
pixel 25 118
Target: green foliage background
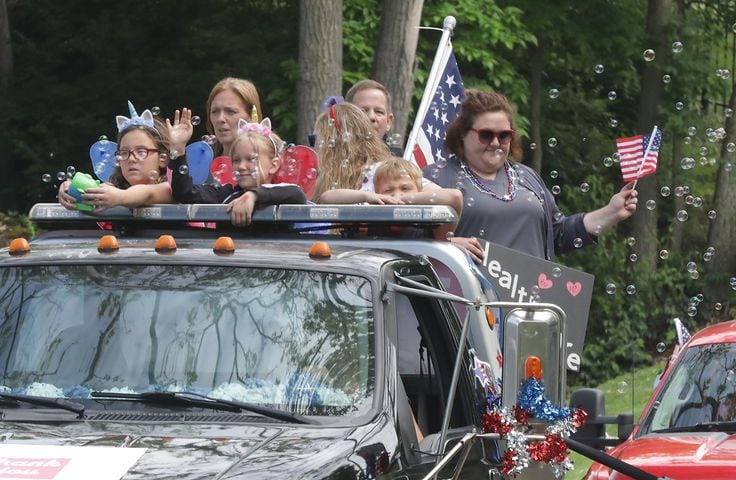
pixel 77 62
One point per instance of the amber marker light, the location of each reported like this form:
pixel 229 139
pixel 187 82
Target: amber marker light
pixel 224 246
pixel 108 244
pixel 490 318
pixel 320 250
pixel 165 245
pixel 533 367
pixel 19 247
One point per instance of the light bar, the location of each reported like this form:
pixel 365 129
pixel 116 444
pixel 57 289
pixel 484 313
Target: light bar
pixel 419 215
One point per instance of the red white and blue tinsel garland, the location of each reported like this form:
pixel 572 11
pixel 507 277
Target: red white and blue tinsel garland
pixel 512 425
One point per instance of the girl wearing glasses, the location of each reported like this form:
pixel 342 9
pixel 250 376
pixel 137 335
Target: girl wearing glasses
pixel 144 145
pixel 511 206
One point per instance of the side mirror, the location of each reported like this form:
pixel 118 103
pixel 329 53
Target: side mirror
pixel 593 433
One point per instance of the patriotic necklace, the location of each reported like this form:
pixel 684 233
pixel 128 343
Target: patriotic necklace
pixel 510 176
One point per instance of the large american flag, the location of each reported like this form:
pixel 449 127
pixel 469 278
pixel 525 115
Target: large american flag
pixel 447 96
pixel 631 152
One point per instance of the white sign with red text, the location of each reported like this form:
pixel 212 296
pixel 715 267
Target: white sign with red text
pixel 52 462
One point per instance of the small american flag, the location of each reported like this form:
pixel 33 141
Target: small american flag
pixel 682 333
pixel 631 155
pixel 444 107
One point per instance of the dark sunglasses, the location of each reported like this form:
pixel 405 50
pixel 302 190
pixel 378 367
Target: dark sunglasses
pixel 486 135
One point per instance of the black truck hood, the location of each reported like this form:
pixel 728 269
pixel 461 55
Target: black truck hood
pixel 195 451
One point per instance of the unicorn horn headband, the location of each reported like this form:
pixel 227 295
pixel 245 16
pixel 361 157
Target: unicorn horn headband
pixel 145 119
pixel 262 128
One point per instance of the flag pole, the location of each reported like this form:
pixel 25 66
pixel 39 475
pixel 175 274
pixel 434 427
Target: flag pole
pixel 448 27
pixel 646 154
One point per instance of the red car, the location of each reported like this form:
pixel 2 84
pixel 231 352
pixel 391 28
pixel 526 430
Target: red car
pixel 688 428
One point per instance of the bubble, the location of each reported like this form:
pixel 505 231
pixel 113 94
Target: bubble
pixel 630 289
pixel 689 200
pixel 556 272
pixel 584 187
pixel 687 163
pixel 648 55
pixel 153 175
pixel 553 174
pixel 651 204
pixel 661 347
pixel 155 110
pixel 46 178
pixel 697 202
pixel 700 297
pixel 717 306
pixel 695 275
pixel 184 169
pixel 664 254
pixel 612 95
pixel 70 171
pixel 622 387
pixel 616 157
pixel 236 175
pixel 535 290
pixel 731 147
pixel 727 167
pixel 552 142
pixel 607 161
pixel 691 266
pixel 163 156
pixel 441 162
pixel 692 311
pixel 554 93
pixel 728 112
pixel 482 233
pixel 677 47
pixel 312 173
pixel 611 288
pixel 470 201
pixel 61 176
pixel 691 130
pixel 555 189
pixel 730 376
pixel 394 139
pixel 732 281
pixel 613 123
pixel 331 143
pixel 173 154
pixel 679 191
pixel 666 78
pixel 599 69
pixel 498 152
pixel 710 250
pixel 532 146
pixel 631 241
pixel 633 257
pixel 577 242
pixel 679 106
pixel 434 173
pixel 196 120
pixel 712 214
pixel 687 140
pixel 665 191
pixel 449 236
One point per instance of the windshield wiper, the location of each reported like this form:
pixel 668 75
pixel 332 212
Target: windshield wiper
pixel 202 401
pixel 53 402
pixel 701 427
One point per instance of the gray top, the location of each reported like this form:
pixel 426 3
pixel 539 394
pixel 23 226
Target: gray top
pixel 530 222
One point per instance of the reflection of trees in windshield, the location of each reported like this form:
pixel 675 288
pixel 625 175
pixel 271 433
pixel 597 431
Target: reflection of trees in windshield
pixel 141 327
pixel 701 389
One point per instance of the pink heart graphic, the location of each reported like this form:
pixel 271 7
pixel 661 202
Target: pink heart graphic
pixel 543 282
pixel 574 288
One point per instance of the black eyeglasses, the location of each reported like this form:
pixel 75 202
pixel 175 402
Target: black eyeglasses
pixel 139 153
pixel 486 135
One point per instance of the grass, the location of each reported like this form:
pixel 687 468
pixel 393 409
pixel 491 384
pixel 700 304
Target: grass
pixel 624 394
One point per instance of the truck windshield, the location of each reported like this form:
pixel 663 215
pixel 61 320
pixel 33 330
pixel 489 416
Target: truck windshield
pixel 301 341
pixel 701 391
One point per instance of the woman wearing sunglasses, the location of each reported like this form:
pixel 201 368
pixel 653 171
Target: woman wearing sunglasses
pixel 506 202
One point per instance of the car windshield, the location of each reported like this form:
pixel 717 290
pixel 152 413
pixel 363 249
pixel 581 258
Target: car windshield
pixel 701 391
pixel 296 340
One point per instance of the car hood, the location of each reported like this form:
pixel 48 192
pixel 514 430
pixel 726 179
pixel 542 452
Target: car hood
pixel 681 455
pixel 187 451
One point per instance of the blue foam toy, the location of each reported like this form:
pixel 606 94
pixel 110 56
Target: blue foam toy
pixel 102 154
pixel 199 157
